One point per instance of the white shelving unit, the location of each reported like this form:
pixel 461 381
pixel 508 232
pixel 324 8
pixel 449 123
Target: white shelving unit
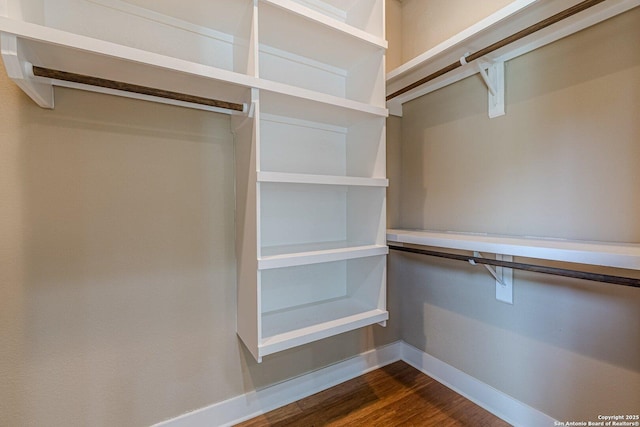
pixel 315 177
pixel 516 16
pixel 310 139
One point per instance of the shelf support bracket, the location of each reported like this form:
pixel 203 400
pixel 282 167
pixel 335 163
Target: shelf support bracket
pixel 21 72
pixel 493 77
pixel 503 276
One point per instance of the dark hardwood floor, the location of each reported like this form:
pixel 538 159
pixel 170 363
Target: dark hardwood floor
pixel 396 395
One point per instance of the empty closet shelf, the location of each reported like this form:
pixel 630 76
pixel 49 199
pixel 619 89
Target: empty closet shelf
pixel 300 325
pixel 298 178
pixel 314 253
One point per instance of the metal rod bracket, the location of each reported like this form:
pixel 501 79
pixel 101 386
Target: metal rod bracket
pixel 576 274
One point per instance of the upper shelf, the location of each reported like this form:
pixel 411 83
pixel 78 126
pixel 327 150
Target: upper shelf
pixel 359 25
pixel 299 47
pixel 518 15
pixel 206 49
pixel 619 255
pixel 25 44
pixel 364 15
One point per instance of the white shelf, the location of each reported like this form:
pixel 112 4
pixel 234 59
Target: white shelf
pixel 302 52
pixel 301 214
pixel 300 304
pixel 286 100
pixel 353 153
pixel 336 22
pixel 619 255
pixel 301 325
pixel 167 69
pixel 196 31
pixel 366 15
pixel 61 50
pixel 518 15
pixel 298 178
pixel 314 253
pixel 225 16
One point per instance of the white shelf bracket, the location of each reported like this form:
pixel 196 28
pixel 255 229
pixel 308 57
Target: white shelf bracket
pixel 21 72
pixel 493 77
pixel 503 276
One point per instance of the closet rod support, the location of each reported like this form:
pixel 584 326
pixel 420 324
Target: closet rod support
pixel 488 267
pixel 503 276
pixel 584 5
pixel 576 274
pixel 21 72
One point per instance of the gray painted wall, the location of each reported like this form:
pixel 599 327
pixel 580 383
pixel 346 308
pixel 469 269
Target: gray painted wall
pixel 562 163
pixel 117 266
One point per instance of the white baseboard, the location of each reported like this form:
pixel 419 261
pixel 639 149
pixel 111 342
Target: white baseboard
pixel 249 405
pixel 498 403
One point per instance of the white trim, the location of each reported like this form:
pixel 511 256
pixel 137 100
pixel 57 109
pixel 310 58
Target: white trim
pixel 498 403
pixel 249 405
pixel 255 403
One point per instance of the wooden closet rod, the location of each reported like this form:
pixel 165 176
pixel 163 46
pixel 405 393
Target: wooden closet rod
pixel 605 278
pixel 499 44
pixel 127 87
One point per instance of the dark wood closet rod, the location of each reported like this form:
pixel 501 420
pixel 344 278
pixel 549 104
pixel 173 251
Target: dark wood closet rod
pixel 127 87
pixel 499 44
pixel 605 278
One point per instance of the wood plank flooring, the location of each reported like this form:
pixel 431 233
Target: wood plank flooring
pixel 396 395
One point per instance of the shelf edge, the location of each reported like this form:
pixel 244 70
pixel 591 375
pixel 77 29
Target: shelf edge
pixel 298 178
pixel 320 256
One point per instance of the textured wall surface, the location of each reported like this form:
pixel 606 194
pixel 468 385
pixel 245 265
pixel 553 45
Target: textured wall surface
pixel 562 163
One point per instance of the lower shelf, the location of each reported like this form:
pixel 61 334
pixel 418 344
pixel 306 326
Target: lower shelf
pixel 289 328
